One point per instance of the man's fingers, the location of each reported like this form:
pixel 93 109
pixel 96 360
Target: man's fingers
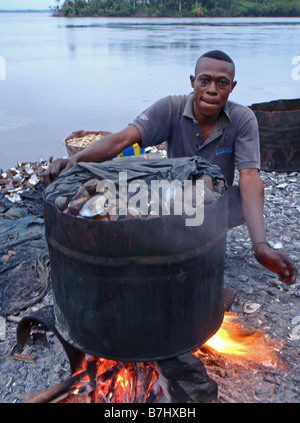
pixel 289 271
pixel 278 263
pixel 54 171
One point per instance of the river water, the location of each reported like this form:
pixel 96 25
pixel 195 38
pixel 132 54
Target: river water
pixel 58 75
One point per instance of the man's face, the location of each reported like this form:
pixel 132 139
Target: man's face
pixel 212 83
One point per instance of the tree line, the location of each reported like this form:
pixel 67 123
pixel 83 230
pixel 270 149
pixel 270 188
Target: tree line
pixel 184 8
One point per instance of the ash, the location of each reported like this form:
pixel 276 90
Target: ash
pixel 261 301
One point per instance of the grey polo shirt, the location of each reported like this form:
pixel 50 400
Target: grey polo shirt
pixel 234 141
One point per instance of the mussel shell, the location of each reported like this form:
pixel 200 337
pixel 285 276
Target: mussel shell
pixel 61 203
pixel 91 186
pixel 76 205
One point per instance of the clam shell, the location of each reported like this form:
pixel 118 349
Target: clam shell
pixel 250 308
pixel 95 206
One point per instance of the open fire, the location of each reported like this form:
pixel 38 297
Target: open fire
pixel 242 345
pixel 108 381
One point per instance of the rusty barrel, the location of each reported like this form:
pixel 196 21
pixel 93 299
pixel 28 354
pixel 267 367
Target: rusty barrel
pixel 279 130
pixel 137 289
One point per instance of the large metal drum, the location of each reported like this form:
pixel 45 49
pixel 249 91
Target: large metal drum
pixel 138 289
pixel 279 130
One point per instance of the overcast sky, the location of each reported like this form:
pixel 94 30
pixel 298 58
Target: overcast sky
pixel 27 4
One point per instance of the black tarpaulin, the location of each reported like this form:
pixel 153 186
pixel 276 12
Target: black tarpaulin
pixel 189 168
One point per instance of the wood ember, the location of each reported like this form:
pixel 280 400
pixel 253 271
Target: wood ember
pixel 179 380
pixel 56 391
pixel 128 383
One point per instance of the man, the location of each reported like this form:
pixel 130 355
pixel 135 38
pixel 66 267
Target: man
pixel 203 123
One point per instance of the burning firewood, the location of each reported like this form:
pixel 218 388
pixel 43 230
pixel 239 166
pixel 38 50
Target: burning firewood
pixel 58 390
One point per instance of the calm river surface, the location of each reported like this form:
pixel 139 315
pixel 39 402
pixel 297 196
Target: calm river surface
pixel 58 75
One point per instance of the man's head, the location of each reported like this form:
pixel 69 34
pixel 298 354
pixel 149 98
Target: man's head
pixel 213 82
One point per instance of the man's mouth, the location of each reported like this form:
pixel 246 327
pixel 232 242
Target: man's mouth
pixel 207 101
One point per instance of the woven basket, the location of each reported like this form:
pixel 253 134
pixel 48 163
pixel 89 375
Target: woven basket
pixel 71 149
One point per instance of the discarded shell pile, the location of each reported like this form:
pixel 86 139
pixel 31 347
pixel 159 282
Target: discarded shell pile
pixel 91 202
pixel 20 178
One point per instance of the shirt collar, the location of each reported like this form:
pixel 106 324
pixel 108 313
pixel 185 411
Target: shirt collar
pixel 223 120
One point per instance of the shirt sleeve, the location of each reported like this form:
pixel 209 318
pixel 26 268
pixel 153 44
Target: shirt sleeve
pixel 247 147
pixel 155 123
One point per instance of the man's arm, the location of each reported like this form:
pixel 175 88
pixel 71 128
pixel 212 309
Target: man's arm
pixel 104 149
pixel 252 194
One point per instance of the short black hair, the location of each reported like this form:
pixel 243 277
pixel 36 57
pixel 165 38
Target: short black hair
pixel 217 54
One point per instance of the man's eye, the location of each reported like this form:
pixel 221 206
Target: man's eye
pixel 204 81
pixel 222 83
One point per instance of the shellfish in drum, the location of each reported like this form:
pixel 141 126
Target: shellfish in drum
pixel 97 205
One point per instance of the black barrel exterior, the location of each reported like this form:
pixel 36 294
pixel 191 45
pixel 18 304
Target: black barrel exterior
pixel 279 130
pixel 137 290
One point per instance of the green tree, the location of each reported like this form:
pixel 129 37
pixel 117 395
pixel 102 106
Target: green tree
pixel 178 8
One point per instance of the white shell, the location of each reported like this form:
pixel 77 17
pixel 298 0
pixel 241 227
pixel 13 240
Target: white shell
pixel 250 308
pixel 95 206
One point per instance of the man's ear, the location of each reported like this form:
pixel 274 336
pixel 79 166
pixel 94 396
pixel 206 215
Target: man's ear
pixel 233 85
pixel 192 79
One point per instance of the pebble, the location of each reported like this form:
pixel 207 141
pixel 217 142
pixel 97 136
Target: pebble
pixel 284 298
pixel 272 291
pixel 243 278
pixel 247 289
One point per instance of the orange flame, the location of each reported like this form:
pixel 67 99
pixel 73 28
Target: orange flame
pixel 132 382
pixel 241 344
pixel 121 382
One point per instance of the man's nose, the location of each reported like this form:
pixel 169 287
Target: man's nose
pixel 212 88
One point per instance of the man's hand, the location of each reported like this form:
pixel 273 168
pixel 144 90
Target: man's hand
pixel 276 262
pixel 55 169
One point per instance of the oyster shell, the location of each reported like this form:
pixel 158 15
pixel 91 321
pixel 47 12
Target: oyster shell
pixel 96 205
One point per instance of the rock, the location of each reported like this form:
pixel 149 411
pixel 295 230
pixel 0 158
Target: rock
pixel 272 291
pixel 243 278
pixel 284 298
